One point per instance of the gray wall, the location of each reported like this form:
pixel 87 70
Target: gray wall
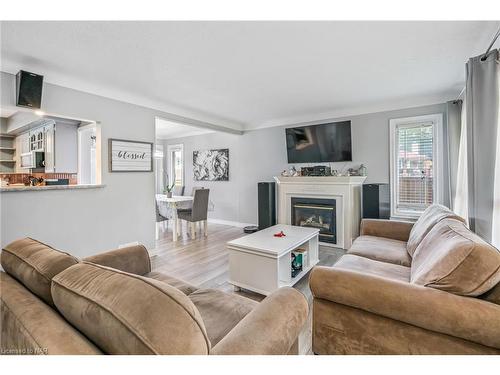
pixel 261 154
pixel 85 222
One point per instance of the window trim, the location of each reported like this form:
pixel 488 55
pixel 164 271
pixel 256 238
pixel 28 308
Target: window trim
pixel 437 149
pixel 170 149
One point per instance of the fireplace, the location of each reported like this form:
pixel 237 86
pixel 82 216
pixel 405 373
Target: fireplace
pixel 316 213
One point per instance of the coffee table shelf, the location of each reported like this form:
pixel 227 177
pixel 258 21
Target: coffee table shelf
pixel 261 262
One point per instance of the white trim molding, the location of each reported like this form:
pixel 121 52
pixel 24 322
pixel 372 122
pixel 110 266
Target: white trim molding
pixel 229 222
pixel 437 164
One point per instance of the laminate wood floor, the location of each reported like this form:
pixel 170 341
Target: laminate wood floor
pixel 204 262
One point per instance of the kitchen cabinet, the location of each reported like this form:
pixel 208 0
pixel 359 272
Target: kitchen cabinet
pixel 37 139
pixel 49 137
pixel 22 147
pixel 23 143
pixel 58 141
pixel 61 148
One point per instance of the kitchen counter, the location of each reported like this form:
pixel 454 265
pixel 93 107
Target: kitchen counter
pixel 50 187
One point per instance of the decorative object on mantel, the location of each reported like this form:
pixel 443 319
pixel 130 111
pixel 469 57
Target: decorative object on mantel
pixel 211 165
pixel 360 171
pixel 317 170
pixel 293 172
pixel 130 156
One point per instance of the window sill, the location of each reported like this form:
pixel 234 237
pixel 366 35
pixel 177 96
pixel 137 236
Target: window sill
pixel 51 187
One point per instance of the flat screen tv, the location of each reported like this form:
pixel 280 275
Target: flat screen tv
pixel 329 142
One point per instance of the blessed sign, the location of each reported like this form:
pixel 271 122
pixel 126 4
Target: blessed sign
pixel 130 156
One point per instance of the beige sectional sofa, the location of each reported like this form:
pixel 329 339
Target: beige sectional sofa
pixel 426 288
pixel 112 303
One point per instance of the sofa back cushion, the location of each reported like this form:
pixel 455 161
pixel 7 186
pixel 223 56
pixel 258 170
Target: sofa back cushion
pixel 454 259
pixel 430 217
pixel 492 295
pixel 124 313
pixel 34 264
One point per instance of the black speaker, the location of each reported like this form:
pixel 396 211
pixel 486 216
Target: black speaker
pixel 376 201
pixel 267 204
pixel 28 89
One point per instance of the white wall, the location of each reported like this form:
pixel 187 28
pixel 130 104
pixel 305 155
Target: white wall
pixel 85 222
pixel 261 154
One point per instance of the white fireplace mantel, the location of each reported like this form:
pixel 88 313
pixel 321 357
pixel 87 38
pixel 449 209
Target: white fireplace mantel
pixel 346 190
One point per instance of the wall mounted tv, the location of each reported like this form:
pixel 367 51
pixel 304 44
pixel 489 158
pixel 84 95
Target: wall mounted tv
pixel 320 143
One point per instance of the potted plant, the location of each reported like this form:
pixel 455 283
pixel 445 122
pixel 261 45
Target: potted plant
pixel 168 190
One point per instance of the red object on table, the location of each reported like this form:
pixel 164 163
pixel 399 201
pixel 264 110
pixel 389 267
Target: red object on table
pixel 280 234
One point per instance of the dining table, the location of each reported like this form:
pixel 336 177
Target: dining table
pixel 174 203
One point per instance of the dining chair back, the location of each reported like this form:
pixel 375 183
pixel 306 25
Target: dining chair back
pixel 199 211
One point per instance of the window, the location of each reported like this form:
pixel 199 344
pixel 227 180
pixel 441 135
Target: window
pixel 159 174
pixel 415 164
pixel 175 168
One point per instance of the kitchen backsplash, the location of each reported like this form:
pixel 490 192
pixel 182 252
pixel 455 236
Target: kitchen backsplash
pixel 23 178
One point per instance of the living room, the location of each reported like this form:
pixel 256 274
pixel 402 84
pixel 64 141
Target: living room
pixel 235 186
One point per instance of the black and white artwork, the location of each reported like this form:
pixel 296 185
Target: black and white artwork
pixel 211 165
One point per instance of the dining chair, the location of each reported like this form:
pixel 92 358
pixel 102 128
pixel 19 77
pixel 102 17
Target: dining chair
pixel 197 213
pixel 178 190
pixel 161 217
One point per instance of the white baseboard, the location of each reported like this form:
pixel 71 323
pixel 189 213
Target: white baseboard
pixel 228 222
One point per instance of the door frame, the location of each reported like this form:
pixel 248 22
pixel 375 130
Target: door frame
pixel 97 127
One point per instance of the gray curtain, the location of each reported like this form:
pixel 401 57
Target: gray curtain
pixel 482 101
pixel 452 146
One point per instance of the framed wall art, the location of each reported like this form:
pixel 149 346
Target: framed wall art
pixel 130 156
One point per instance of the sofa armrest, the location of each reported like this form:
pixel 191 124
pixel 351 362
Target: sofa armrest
pixel 271 328
pixel 469 318
pixel 132 259
pixel 396 230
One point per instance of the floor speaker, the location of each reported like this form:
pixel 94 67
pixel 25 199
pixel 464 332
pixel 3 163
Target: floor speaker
pixel 267 204
pixel 376 201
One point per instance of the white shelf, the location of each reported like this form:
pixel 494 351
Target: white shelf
pixel 7 149
pixel 298 276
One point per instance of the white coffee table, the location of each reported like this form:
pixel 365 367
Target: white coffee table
pixel 261 262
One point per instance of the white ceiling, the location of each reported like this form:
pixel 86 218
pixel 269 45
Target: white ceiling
pixel 252 74
pixel 166 129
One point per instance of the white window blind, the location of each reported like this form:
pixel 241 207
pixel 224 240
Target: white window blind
pixel 415 167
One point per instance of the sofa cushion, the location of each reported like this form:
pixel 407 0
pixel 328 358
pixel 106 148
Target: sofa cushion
pixel 454 259
pixel 131 259
pixel 220 311
pixel 30 326
pixel 430 217
pixel 381 249
pixel 372 267
pixel 124 313
pixel 492 295
pixel 183 286
pixel 34 264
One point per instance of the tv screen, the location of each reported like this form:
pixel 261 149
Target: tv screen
pixel 319 143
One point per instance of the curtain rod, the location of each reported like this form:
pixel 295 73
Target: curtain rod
pixel 491 44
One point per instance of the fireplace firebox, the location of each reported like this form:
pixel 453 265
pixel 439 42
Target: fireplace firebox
pixel 316 213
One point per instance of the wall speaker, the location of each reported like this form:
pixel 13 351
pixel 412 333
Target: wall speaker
pixel 376 201
pixel 28 89
pixel 267 204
